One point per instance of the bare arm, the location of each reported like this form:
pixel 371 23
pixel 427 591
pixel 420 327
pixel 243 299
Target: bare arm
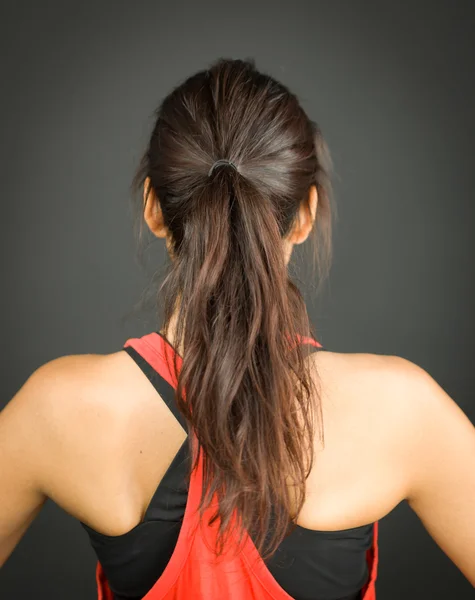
pixel 41 443
pixel 441 484
pixel 74 420
pixel 21 456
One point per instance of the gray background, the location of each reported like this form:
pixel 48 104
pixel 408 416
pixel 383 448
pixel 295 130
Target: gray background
pixel 392 86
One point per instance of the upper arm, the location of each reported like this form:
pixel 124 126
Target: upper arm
pixel 66 426
pixel 441 473
pixel 41 432
pixel 22 452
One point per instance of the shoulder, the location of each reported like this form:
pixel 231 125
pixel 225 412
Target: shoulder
pixel 75 411
pixel 363 365
pixel 380 382
pixel 71 389
pixel 417 440
pixel 71 433
pixel 408 418
pixel 89 386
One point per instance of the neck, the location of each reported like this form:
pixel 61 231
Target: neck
pixel 170 335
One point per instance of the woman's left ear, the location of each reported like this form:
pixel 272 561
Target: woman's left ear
pixel 152 211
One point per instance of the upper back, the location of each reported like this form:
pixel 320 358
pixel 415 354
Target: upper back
pixel 107 476
pixel 91 432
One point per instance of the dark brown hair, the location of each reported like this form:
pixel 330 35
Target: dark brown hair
pixel 250 401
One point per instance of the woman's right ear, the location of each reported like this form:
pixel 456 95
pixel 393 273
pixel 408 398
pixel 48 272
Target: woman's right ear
pixel 152 211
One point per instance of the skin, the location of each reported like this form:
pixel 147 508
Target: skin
pixel 92 434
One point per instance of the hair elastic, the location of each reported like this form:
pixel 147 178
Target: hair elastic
pixel 221 161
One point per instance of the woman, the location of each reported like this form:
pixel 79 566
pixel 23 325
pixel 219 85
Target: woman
pixel 267 477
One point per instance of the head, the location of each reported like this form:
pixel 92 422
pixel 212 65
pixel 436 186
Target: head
pixel 250 398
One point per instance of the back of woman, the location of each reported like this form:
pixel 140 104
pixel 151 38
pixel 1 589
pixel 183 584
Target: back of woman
pixel 229 454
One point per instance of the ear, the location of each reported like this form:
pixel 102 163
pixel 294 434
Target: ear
pixel 305 218
pixel 313 202
pixel 152 211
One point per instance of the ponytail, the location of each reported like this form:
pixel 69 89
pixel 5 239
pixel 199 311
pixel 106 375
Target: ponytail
pixel 244 386
pixel 238 367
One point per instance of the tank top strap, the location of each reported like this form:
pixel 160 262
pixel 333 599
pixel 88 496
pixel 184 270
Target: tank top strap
pixel 310 344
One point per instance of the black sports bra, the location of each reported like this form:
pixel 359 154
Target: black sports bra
pixel 308 565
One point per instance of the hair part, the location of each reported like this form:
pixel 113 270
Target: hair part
pixel 251 400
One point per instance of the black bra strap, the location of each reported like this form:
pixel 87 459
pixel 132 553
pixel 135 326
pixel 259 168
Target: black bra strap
pixel 166 391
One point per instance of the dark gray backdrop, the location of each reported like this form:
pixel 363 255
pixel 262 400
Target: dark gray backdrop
pixel 392 86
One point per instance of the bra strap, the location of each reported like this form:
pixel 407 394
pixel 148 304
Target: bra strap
pixel 149 352
pixel 155 373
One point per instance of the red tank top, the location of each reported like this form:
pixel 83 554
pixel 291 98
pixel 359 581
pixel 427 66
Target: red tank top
pixel 194 572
